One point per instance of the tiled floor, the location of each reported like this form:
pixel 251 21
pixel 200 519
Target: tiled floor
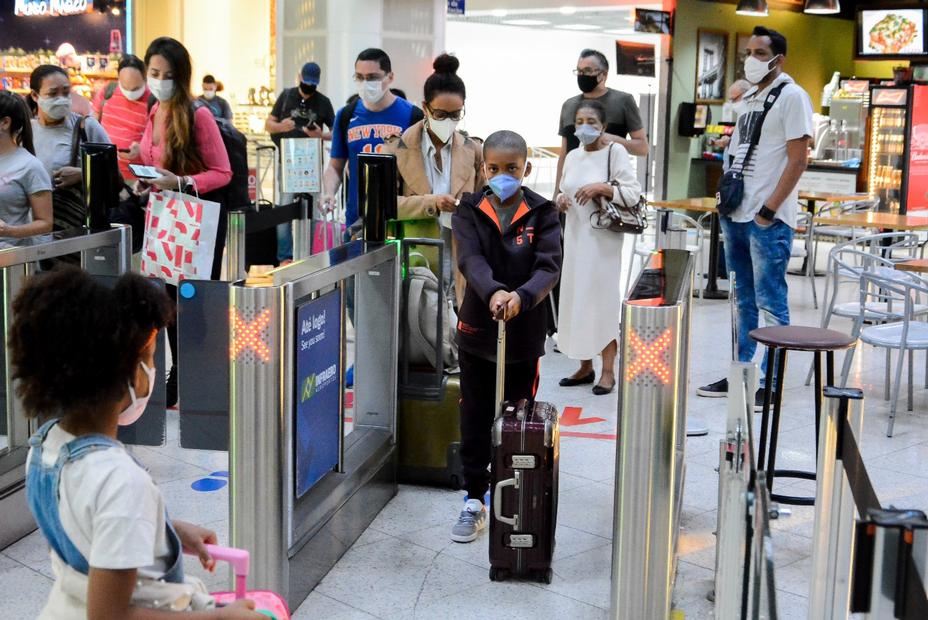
pixel 404 566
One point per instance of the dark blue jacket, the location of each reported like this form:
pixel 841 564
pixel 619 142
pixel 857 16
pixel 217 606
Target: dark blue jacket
pixel 525 259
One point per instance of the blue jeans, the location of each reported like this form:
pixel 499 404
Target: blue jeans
pixel 758 256
pixel 284 242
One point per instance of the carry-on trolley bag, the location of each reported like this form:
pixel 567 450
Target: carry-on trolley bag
pixel 429 429
pixel 523 478
pixel 267 602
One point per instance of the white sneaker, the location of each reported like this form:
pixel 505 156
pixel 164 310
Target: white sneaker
pixel 471 520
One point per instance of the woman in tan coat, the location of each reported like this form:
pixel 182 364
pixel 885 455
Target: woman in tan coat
pixel 437 164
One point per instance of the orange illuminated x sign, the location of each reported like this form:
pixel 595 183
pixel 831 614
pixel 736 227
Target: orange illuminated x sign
pixel 248 335
pixel 648 356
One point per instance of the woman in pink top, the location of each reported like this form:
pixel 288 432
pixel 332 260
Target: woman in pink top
pixel 185 146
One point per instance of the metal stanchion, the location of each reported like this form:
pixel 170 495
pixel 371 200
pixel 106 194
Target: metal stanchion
pixel 651 419
pixel 735 468
pixel 302 230
pixel 235 246
pixel 833 538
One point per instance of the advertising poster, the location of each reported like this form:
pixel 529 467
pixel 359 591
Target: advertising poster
pixel 917 198
pixel 301 171
pixel 318 389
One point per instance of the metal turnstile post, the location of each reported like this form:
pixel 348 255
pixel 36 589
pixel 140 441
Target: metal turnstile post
pixel 735 464
pixel 833 537
pixel 651 431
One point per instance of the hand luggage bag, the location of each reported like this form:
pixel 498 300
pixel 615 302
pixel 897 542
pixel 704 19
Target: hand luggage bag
pixel 429 425
pixel 266 602
pixel 523 480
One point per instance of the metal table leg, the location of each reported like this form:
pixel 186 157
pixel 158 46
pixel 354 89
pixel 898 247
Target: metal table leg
pixel 712 290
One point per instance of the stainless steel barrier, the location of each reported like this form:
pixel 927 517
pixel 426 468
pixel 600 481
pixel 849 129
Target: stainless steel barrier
pixel 833 537
pixel 735 468
pixel 106 253
pixel 744 568
pixel 651 436
pixel 875 564
pixel 203 327
pixel 300 492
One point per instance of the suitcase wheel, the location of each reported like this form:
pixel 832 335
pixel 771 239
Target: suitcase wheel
pixel 455 482
pixel 497 574
pixel 545 576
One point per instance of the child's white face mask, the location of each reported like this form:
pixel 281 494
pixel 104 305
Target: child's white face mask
pixel 137 407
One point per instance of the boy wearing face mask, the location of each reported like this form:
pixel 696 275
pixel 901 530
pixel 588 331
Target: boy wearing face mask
pixel 509 250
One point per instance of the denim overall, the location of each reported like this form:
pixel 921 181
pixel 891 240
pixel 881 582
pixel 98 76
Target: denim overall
pixel 42 494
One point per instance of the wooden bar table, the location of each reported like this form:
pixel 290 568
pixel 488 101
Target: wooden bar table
pixel 703 205
pixel 881 220
pixel 918 265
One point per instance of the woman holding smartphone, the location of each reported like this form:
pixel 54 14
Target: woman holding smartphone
pixel 184 145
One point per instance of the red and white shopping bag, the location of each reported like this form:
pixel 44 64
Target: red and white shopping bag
pixel 180 236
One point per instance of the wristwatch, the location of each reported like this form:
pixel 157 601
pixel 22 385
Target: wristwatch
pixel 766 213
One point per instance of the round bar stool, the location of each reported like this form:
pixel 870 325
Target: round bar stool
pixel 778 340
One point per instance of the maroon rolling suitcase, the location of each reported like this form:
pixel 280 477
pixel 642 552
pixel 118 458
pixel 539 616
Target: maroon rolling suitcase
pixel 523 480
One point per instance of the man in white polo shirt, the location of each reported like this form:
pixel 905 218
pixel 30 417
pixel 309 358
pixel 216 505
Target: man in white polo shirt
pixel 759 233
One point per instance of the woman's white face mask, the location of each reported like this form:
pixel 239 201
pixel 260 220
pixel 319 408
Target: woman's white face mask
pixel 587 134
pixel 55 108
pixel 442 129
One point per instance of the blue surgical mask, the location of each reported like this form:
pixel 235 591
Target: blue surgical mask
pixel 504 186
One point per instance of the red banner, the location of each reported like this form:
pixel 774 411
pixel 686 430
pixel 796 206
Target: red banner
pixel 917 196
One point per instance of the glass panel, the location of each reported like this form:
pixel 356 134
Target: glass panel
pixel 887 156
pixel 351 346
pixel 4 412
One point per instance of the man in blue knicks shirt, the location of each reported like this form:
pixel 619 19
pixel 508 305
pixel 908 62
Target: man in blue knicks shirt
pixel 364 124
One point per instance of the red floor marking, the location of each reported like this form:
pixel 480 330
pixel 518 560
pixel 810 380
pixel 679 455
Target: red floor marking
pixel 571 417
pixel 604 436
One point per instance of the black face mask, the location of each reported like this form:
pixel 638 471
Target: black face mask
pixel 307 89
pixel 587 83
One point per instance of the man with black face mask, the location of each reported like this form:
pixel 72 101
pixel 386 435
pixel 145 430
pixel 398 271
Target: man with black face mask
pixel 623 121
pixel 302 111
pixel 299 112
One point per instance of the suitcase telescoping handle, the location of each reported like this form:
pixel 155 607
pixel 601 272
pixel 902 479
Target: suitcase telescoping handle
pixel 498 500
pixel 500 363
pixel 239 560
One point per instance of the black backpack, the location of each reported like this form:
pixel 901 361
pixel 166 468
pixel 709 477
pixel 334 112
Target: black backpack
pixel 236 192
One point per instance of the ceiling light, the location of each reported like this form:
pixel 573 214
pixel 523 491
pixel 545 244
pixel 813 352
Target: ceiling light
pixel 822 7
pixel 526 22
pixel 756 8
pixel 499 12
pixel 579 27
pixel 568 10
pixel 115 11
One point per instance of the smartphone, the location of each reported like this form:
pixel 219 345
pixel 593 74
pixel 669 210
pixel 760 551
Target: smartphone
pixel 144 172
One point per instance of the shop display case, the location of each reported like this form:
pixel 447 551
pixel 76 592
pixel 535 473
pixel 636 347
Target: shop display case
pixel 887 161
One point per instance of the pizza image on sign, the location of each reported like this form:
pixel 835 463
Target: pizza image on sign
pixel 892 34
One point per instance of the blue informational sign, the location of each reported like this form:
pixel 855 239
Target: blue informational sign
pixel 455 7
pixel 318 389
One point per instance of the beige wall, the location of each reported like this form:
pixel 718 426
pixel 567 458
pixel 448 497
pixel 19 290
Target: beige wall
pixel 228 38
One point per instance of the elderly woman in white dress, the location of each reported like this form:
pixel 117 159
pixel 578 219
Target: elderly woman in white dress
pixel 591 299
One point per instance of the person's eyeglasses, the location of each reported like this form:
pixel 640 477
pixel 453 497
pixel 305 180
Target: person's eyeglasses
pixel 357 77
pixel 440 115
pixel 587 72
